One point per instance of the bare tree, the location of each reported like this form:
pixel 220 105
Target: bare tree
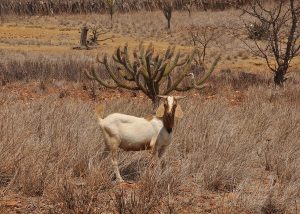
pixel 96 32
pixel 83 38
pixel 201 37
pixel 283 42
pixel 153 74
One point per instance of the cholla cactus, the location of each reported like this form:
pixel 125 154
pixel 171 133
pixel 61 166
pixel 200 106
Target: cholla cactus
pixel 153 74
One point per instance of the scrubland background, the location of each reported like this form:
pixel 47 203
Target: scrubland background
pixel 237 150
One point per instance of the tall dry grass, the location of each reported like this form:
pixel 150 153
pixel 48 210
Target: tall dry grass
pixel 247 154
pixel 48 7
pixel 24 67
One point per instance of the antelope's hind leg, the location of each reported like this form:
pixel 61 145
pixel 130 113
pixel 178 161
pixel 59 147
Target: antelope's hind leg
pixel 114 158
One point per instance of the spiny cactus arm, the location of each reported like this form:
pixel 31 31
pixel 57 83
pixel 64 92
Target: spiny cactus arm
pixel 125 67
pixel 148 65
pixel 122 60
pixel 169 82
pixel 139 84
pixel 157 64
pixel 126 59
pixel 156 61
pixel 140 59
pixel 161 72
pixel 116 79
pixel 169 52
pixel 150 50
pixel 165 61
pixel 143 58
pixel 93 75
pixel 183 61
pixel 147 61
pixel 182 89
pixel 125 76
pixel 183 74
pixel 199 84
pixel 170 67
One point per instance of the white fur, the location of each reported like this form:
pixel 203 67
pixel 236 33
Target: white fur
pixel 134 133
pixel 170 103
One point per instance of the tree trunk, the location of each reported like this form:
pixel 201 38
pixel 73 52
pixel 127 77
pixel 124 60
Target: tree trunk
pixel 83 36
pixel 169 23
pixel 111 12
pixel 279 78
pixel 155 104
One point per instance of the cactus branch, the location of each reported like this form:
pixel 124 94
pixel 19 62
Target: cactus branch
pixel 200 83
pixel 148 72
pixel 207 75
pixel 94 76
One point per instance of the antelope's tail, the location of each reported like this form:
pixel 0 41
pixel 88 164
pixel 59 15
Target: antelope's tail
pixel 99 112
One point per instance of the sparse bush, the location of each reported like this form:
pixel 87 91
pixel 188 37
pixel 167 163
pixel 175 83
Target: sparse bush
pixel 202 38
pixel 236 80
pixel 97 31
pixel 258 31
pixel 281 21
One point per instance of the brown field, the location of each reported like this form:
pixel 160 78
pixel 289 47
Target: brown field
pixel 50 7
pixel 237 149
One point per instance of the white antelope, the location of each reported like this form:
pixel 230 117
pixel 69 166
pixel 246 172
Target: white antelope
pixel 135 133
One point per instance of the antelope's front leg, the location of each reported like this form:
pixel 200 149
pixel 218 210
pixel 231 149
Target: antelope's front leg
pixel 161 151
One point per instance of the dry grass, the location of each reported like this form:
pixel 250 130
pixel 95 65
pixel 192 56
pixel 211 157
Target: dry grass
pixel 57 35
pixel 232 158
pixel 48 7
pixel 236 150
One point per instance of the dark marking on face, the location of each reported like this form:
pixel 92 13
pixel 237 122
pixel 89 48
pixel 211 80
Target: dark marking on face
pixel 170 105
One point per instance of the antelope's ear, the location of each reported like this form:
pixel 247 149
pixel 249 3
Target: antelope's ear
pixel 179 112
pixel 160 111
pixel 162 96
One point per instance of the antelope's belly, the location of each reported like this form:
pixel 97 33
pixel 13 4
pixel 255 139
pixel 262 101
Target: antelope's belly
pixel 136 137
